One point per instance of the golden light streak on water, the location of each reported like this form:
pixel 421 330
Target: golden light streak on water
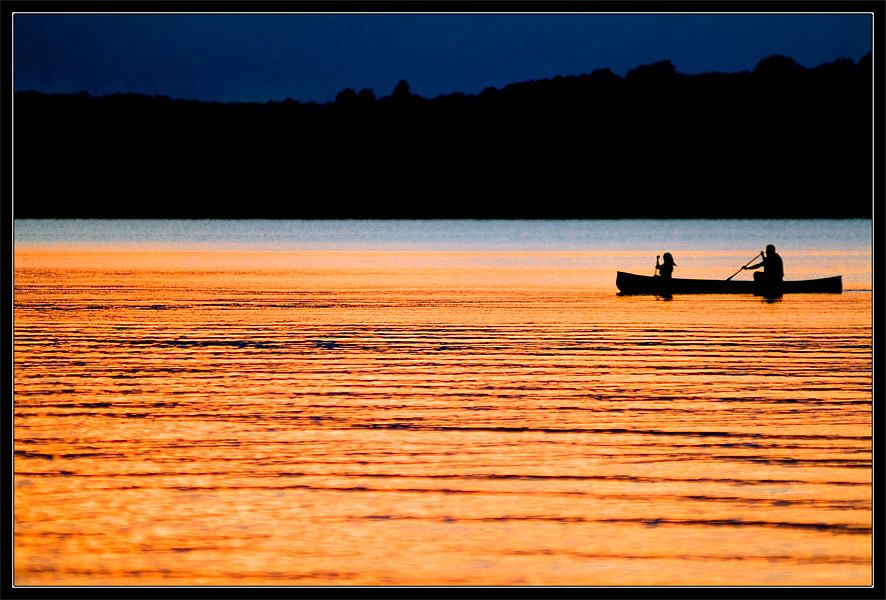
pixel 329 418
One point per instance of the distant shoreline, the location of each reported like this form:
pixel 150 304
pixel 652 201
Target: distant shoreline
pixel 782 141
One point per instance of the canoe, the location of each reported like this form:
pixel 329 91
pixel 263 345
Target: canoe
pixel 628 283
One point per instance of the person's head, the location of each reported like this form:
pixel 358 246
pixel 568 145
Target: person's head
pixel 668 259
pixel 770 249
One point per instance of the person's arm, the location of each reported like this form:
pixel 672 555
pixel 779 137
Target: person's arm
pixel 762 263
pixel 756 266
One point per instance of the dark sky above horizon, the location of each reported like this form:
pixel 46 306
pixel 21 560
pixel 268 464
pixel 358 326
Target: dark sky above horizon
pixel 259 57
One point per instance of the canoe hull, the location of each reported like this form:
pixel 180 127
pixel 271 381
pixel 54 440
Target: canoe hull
pixel 629 283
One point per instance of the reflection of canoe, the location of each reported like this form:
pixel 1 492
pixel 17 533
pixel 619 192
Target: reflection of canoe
pixel 628 283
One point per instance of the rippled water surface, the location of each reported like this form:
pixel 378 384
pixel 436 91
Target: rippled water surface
pixel 230 414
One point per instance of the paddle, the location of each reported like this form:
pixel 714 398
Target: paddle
pixel 746 264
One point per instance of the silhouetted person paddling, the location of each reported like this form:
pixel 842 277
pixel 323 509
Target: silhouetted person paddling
pixel 666 268
pixel 773 268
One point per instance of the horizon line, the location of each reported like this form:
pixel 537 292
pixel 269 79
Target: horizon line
pixel 443 95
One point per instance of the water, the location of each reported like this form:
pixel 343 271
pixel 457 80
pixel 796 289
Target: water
pixel 436 403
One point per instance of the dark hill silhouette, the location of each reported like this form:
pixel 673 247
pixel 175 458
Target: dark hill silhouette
pixel 781 141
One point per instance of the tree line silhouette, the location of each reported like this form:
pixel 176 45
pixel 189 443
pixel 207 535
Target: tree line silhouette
pixel 779 141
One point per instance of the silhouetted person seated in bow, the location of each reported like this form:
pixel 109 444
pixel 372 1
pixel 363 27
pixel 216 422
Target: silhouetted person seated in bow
pixel 773 268
pixel 666 268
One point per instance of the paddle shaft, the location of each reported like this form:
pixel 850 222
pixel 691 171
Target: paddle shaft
pixel 746 264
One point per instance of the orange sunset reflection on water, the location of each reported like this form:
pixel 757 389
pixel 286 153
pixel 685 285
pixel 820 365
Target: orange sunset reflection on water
pixel 326 417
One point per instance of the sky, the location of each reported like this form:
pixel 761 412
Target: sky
pixel 312 57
